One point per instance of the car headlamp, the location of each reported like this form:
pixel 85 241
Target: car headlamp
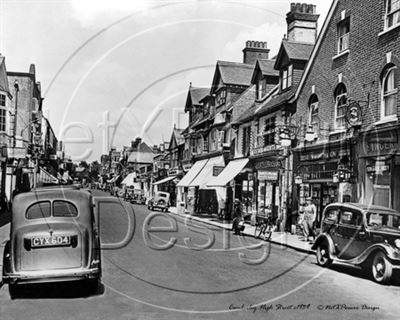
pixel 397 243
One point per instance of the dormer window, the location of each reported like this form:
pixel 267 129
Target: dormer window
pixel 392 13
pixel 343 35
pixel 260 89
pixel 287 76
pixel 221 97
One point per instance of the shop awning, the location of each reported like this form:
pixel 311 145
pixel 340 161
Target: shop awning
pixel 164 180
pixel 192 174
pixel 229 173
pixel 206 174
pixel 129 179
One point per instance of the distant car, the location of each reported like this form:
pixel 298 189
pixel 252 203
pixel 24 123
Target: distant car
pixel 53 237
pixel 137 196
pixel 161 200
pixel 360 235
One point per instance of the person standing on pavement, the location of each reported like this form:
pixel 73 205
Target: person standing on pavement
pixel 237 216
pixel 310 214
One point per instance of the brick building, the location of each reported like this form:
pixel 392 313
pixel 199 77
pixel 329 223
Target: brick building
pixel 347 107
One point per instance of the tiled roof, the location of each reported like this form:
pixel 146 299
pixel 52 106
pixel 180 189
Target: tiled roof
pixel 235 73
pixel 197 94
pixel 276 101
pixel 267 67
pixel 3 76
pixel 248 115
pixel 178 136
pixel 298 50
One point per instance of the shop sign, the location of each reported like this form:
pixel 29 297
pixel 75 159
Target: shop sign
pixel 381 143
pixel 267 164
pixel 16 153
pixel 316 155
pixel 264 175
pixel 261 150
pixel 354 114
pixel 379 168
pixel 217 170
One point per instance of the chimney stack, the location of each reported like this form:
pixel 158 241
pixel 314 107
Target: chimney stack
pixel 302 22
pixel 255 50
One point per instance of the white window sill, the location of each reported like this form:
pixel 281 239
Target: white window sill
pixel 388 30
pixel 386 120
pixel 347 51
pixel 338 131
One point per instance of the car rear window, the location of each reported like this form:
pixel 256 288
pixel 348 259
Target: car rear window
pixel 39 210
pixel 64 209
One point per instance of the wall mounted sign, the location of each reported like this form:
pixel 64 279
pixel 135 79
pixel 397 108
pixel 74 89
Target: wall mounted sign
pixel 380 143
pixel 354 114
pixel 264 175
pixel 267 164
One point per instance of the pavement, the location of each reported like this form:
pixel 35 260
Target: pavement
pixel 286 239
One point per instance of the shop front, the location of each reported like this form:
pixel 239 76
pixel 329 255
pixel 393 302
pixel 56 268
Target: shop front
pixel 267 195
pixel 194 191
pixel 237 180
pixel 324 173
pixel 379 167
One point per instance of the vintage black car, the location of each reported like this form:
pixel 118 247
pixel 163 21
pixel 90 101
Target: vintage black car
pixel 360 235
pixel 54 237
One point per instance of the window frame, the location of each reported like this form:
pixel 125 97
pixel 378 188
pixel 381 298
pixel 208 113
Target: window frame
pixel 392 13
pixel 386 95
pixel 339 97
pixel 343 37
pixel 3 113
pixel 313 105
pixel 287 77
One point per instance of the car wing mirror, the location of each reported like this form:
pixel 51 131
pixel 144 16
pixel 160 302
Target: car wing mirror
pixel 115 221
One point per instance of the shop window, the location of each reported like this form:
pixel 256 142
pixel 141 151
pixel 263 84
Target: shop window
pixel 389 92
pixel 287 76
pixel 340 108
pixel 392 13
pixel 382 196
pixel 343 35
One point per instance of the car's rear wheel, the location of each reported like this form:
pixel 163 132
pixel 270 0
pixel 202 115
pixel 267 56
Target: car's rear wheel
pixel 323 258
pixel 382 269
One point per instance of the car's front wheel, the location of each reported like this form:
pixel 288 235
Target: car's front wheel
pixel 323 258
pixel 382 269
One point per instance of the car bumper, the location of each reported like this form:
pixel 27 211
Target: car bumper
pixel 52 276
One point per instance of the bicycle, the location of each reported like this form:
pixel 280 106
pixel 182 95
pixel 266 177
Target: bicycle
pixel 264 226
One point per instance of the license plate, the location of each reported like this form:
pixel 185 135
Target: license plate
pixel 50 241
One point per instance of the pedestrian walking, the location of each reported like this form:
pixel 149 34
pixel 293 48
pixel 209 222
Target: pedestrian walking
pixel 237 217
pixel 310 214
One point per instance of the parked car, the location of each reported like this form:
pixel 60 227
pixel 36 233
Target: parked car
pixel 360 235
pixel 53 237
pixel 161 200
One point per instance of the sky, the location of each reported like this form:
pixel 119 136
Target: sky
pixel 111 71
